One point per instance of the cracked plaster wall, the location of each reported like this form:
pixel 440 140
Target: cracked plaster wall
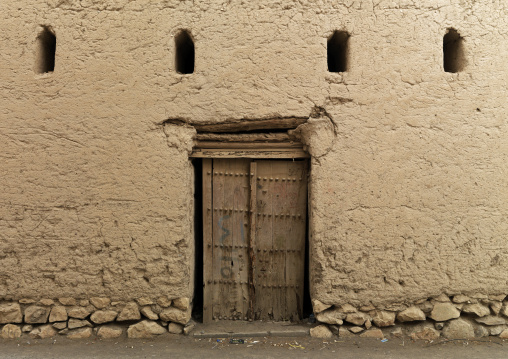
pixel 408 197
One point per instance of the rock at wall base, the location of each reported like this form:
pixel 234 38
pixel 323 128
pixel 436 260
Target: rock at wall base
pixel 43 332
pixel 321 331
pixel 145 329
pixel 444 311
pixel 175 328
pixel 10 331
pixel 129 312
pixel 458 329
pixel 109 332
pixel 411 314
pixel 81 333
pixel 10 313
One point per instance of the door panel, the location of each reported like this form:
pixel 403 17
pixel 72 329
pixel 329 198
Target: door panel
pixel 275 194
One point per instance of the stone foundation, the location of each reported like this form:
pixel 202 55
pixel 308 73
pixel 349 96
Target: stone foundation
pixel 82 318
pixel 456 317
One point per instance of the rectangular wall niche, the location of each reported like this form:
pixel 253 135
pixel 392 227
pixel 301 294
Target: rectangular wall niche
pixel 45 51
pixel 338 51
pixel 453 52
pixel 185 53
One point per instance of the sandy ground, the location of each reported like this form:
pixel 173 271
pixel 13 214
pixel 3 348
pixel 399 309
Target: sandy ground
pixel 168 346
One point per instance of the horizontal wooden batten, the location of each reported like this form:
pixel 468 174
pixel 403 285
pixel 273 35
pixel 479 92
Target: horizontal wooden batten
pixel 269 153
pixel 248 145
pixel 245 137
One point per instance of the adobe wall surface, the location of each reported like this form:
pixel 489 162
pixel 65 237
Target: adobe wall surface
pixel 408 186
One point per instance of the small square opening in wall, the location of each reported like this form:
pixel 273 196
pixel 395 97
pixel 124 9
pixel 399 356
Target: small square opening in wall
pixel 45 51
pixel 454 59
pixel 338 51
pixel 185 54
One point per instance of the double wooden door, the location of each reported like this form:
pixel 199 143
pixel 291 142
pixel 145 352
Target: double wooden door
pixel 254 215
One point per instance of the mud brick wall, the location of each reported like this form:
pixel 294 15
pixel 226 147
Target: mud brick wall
pixel 409 162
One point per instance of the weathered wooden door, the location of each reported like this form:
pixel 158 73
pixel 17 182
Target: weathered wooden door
pixel 254 215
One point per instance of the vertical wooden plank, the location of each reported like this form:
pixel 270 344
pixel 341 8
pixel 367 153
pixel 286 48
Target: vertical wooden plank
pixel 295 244
pixel 279 235
pixel 253 212
pixel 263 264
pixel 238 185
pixel 207 241
pixel 220 233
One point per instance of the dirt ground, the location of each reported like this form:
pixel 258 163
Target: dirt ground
pixel 168 346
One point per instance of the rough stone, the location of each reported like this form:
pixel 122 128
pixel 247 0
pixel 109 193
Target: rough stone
pixel 504 309
pixel 319 306
pixel 189 327
pixel 27 328
pixel 67 301
pixel 100 302
pixel 129 312
pixel 60 325
pixel 36 315
pixel 480 331
pixel 10 313
pixel 321 331
pixel 164 301
pixel 426 306
pixel 144 301
pixel 81 333
pixel 78 323
pixel 373 333
pixel 46 302
pixel 358 318
pixel 356 329
pixel 347 308
pixel 442 298
pixel 460 298
pixel 148 312
pixel 491 320
pixel 103 316
pixel 504 334
pixel 496 307
pixel 383 318
pixel 64 331
pixel 458 329
pixel 411 314
pixel 367 308
pixel 181 303
pixel 331 316
pixel 345 333
pixel 478 309
pixel 368 324
pixel 27 301
pixel 497 297
pixel 425 333
pixel 439 325
pixel 173 314
pixel 109 332
pixel 145 329
pixel 80 312
pixel 10 331
pixel 175 328
pixel 58 314
pixel 84 303
pixel 496 329
pixel 43 332
pixel 444 311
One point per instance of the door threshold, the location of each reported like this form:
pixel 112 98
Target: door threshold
pixel 254 329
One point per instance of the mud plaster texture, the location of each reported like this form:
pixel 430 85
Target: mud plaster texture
pixel 408 194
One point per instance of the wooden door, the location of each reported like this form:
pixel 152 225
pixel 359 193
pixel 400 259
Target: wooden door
pixel 254 216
